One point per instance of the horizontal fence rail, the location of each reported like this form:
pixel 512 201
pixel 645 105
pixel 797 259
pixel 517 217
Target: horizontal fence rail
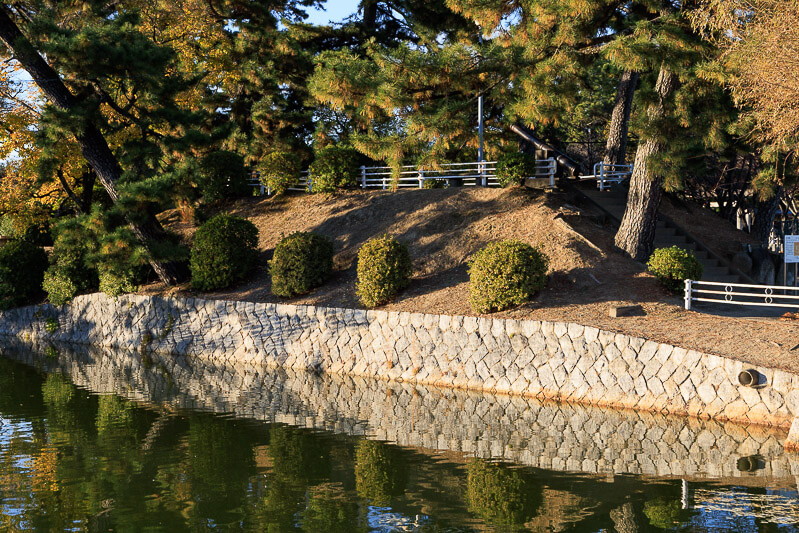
pixel 740 294
pixel 605 174
pixel 469 174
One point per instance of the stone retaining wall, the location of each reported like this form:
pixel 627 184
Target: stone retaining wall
pixel 554 436
pixel 519 357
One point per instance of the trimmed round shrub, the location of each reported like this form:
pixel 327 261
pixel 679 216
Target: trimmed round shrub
pixel 302 261
pixel 384 269
pixel 512 169
pixel 672 266
pixel 22 267
pixel 279 171
pixel 504 274
pixel 222 175
pixel 224 252
pixel 334 168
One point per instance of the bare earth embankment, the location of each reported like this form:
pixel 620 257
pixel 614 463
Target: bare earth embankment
pixel 442 228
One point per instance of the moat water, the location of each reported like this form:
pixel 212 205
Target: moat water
pixel 94 440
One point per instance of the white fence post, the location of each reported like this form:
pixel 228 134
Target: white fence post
pixel 421 179
pixel 688 294
pixel 363 176
pixel 602 176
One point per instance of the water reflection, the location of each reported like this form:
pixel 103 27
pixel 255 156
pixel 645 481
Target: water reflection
pixel 136 457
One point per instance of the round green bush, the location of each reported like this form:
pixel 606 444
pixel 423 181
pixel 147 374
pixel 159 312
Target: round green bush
pixel 222 175
pixel 22 267
pixel 512 169
pixel 224 252
pixel 672 266
pixel 279 171
pixel 504 274
pixel 334 168
pixel 302 261
pixel 384 269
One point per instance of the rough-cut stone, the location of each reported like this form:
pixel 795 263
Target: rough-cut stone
pixel 521 357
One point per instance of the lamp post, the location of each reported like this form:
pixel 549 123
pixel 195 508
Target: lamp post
pixel 480 150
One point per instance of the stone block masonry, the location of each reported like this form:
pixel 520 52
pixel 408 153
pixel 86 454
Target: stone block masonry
pixel 552 360
pixel 554 436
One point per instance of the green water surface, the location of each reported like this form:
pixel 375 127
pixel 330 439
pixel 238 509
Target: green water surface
pixel 72 460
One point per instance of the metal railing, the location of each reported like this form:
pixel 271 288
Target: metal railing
pixel 740 294
pixel 607 174
pixel 470 174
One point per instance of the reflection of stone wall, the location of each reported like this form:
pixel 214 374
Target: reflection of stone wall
pixel 560 437
pixel 531 358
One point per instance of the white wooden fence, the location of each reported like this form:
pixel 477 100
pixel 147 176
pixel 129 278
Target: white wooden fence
pixel 740 294
pixel 471 174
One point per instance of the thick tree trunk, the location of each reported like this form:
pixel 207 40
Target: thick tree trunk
pixel 636 234
pixel 93 145
pixel 765 212
pixel 616 147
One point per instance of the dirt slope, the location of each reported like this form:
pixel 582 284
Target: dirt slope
pixel 444 227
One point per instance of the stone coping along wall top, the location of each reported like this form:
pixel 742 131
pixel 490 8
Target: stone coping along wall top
pixel 555 360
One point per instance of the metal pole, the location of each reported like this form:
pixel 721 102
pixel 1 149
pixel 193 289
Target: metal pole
pixel 480 151
pixel 480 130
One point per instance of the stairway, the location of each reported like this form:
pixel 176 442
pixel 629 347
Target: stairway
pixel 667 233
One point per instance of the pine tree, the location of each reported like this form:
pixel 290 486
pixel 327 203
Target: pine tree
pixel 104 80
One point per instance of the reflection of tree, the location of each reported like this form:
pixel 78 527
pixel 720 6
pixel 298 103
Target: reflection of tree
pixel 379 472
pixel 663 513
pixel 300 456
pixel 504 497
pixel 220 462
pixel 330 509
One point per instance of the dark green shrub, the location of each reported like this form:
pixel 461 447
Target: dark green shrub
pixel 279 171
pixel 513 168
pixel 504 497
pixel 224 252
pixel 504 274
pixel 22 267
pixel 672 266
pixel 434 184
pixel 334 168
pixel 69 273
pixel 302 261
pixel 384 269
pixel 222 175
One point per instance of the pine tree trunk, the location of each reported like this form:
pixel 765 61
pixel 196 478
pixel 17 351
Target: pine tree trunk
pixel 616 147
pixel 636 233
pixel 764 217
pixel 92 144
